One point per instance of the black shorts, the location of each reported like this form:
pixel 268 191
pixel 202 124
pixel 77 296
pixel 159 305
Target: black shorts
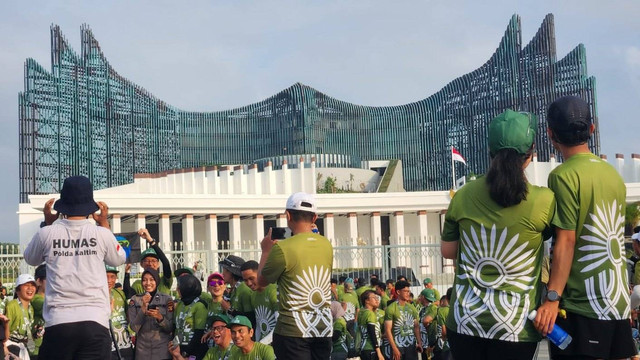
pixel 473 347
pixel 594 339
pixel 287 347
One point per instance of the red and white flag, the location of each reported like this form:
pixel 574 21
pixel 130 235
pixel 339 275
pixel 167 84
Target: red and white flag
pixel 455 154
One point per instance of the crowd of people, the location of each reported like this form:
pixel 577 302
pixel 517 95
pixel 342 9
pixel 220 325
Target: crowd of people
pixel 289 305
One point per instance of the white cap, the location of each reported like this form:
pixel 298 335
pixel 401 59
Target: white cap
pixel 302 201
pixel 635 236
pixel 24 278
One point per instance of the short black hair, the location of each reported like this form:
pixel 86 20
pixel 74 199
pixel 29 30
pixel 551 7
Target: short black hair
pixel 400 277
pixel 342 278
pixel 365 295
pixel 402 284
pixel 301 216
pixel 636 229
pixel 448 294
pixel 250 265
pixel 390 281
pixel 334 280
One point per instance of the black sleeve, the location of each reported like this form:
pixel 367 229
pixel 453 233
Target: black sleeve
pixel 195 347
pixel 336 335
pixel 126 286
pixel 166 266
pixel 371 331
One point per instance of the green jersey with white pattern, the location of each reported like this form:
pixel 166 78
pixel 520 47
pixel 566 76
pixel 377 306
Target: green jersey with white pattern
pixel 351 299
pixel 500 251
pixel 188 319
pixel 119 320
pixel 340 344
pixel 591 199
pixel 258 352
pixel 403 318
pixel 366 317
pixel 265 305
pixel 301 266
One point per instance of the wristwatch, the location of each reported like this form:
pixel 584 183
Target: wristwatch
pixel 552 295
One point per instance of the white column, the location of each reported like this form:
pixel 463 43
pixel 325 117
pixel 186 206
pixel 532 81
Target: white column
pixel 164 232
pixel 116 227
pixel 376 238
pixel 314 179
pixel 397 236
pixel 330 228
pixel 422 224
pixel 141 222
pixel 301 172
pixel 286 178
pixel 199 180
pixel 619 164
pixel 281 220
pixel 188 240
pixel 635 168
pixel 239 180
pixel 213 180
pixel 211 240
pixel 352 221
pixel 235 233
pixel 270 179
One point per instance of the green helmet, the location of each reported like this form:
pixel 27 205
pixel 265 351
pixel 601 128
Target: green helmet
pixel 111 269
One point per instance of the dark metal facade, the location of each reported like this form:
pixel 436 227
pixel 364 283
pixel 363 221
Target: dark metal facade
pixel 84 118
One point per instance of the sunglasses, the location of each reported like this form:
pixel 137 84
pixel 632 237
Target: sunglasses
pixel 216 282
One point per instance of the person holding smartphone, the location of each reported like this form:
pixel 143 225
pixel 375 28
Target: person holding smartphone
pixel 151 317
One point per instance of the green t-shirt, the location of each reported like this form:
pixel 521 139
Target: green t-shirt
pixel 188 319
pixel 340 345
pixel 429 310
pixel 499 260
pixel 216 353
pixel 240 298
pixel 164 287
pixel 361 290
pixel 20 321
pixel 265 304
pixel 213 308
pixel 259 352
pixel 119 320
pixel 403 318
pixel 3 305
pixel 351 299
pixel 591 200
pixel 301 265
pixel 442 313
pixel 38 303
pixel 383 301
pixel 366 317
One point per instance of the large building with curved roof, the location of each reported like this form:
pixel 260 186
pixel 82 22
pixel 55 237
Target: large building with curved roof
pixel 82 117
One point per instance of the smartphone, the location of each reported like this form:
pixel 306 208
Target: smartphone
pixel 278 233
pixel 152 306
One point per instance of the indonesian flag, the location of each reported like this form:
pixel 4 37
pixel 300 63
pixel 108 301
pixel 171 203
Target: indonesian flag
pixel 455 154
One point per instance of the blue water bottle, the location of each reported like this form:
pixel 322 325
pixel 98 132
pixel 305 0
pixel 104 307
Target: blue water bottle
pixel 557 336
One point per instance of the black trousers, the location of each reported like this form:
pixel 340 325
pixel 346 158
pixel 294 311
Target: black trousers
pixel 287 347
pixel 86 340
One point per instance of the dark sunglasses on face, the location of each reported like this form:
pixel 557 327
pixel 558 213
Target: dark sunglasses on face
pixel 216 282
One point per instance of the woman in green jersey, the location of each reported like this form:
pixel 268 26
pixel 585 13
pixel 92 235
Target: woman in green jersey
pixel 20 314
pixel 190 317
pixel 370 327
pixel 494 230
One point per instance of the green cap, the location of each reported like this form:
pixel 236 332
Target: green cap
pixel 426 281
pixel 147 253
pixel 240 320
pixel 111 269
pixel 512 130
pixel 429 294
pixel 182 271
pixel 221 317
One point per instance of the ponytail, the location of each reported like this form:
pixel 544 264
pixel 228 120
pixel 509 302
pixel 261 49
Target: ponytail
pixel 506 180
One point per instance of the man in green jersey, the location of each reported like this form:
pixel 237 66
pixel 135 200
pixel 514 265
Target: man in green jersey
pixel 301 266
pixel 350 299
pixel 150 259
pixel 428 284
pixel 119 322
pixel 221 336
pixel 401 325
pixel 379 289
pixel 264 301
pixel 427 314
pixel 38 303
pixel 239 298
pixel 588 276
pixel 243 347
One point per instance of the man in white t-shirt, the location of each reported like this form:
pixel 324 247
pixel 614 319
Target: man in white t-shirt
pixel 75 249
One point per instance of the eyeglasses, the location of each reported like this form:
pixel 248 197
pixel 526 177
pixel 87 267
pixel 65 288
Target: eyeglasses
pixel 150 261
pixel 216 282
pixel 218 328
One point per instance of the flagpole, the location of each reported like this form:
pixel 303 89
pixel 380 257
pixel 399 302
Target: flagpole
pixel 453 170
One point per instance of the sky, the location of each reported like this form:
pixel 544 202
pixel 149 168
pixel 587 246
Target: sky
pixel 217 55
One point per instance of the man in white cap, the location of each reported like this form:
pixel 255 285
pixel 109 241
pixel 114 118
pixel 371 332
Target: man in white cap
pixel 301 266
pixel 75 250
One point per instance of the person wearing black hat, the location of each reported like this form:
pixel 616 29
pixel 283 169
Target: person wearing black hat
pixel 240 295
pixel 588 273
pixel 75 250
